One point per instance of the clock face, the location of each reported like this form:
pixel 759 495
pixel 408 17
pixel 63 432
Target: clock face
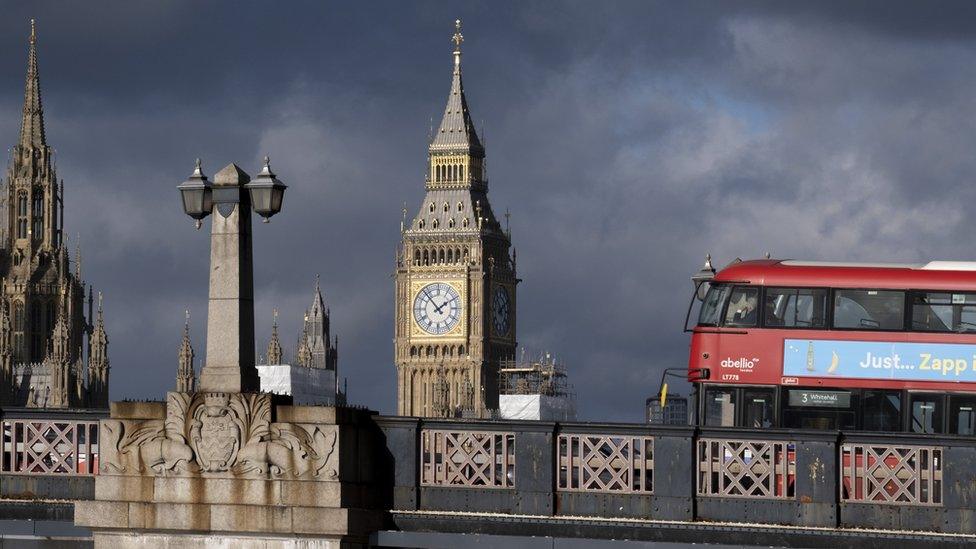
pixel 437 308
pixel 500 309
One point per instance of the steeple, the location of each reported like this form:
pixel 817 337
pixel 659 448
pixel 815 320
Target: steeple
pixel 274 346
pixel 456 133
pixel 185 380
pixel 98 361
pixel 32 124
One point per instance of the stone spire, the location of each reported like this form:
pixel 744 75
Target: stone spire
pixel 59 363
pixel 304 354
pixel 317 330
pixel 98 361
pixel 456 132
pixel 32 124
pixel 185 380
pixel 6 355
pixel 274 346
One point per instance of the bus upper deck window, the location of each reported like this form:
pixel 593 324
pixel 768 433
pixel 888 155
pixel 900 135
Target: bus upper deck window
pixel 869 309
pixel 711 309
pixel 795 307
pixel 743 309
pixel 943 312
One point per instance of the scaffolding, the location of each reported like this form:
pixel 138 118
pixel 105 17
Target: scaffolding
pixel 535 389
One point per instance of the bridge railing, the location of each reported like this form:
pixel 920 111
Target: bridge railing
pixel 49 454
pixel 771 476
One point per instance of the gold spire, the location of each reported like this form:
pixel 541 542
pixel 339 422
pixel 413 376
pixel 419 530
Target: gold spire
pixel 458 38
pixel 33 36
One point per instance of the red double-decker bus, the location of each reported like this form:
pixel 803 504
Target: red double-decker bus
pixel 805 344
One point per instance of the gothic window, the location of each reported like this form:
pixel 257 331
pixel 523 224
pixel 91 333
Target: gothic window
pixel 431 207
pixel 413 351
pixel 461 172
pixel 460 350
pixel 450 255
pixel 441 255
pixel 38 216
pixel 50 316
pixel 416 257
pixel 447 207
pixel 22 215
pixel 460 206
pixel 37 334
pixel 457 254
pixel 465 254
pixel 434 223
pixel 450 223
pixel 420 224
pixel 464 222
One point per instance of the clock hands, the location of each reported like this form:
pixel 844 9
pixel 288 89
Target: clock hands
pixel 438 309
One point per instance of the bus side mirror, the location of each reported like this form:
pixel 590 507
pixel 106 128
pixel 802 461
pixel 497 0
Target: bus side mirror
pixel 701 374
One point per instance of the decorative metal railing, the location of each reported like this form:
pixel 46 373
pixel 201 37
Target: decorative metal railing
pixel 606 463
pixel 52 447
pixel 886 474
pixel 746 468
pixel 482 459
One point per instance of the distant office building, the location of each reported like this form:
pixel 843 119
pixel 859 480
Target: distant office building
pixel 535 390
pixel 675 411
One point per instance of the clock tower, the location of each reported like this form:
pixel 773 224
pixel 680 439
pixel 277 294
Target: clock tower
pixel 455 278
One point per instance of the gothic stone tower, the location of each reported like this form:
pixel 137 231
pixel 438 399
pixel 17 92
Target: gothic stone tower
pixel 455 278
pixel 43 298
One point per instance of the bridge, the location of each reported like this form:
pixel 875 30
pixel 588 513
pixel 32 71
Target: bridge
pixel 437 482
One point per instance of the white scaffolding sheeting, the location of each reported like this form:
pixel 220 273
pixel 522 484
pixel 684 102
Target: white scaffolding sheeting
pixel 536 407
pixel 305 385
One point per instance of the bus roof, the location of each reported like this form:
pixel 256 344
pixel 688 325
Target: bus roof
pixel 934 275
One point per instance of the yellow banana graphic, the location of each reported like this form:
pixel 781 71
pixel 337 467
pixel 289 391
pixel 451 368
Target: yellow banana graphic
pixel 834 362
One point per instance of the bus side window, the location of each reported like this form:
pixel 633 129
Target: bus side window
pixel 926 414
pixel 869 309
pixel 962 414
pixel 743 307
pixel 881 411
pixel 795 307
pixel 943 312
pixel 720 407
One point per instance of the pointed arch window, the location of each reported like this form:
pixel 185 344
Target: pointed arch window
pixel 434 224
pixel 464 222
pixel 447 207
pixel 38 216
pixel 431 207
pixel 450 223
pixel 460 206
pixel 22 214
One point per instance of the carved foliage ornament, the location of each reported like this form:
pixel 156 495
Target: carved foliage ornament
pixel 229 433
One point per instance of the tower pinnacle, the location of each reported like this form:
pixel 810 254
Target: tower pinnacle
pixel 32 125
pixel 456 133
pixel 458 38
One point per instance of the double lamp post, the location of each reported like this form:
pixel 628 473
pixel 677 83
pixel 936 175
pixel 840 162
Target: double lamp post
pixel 229 365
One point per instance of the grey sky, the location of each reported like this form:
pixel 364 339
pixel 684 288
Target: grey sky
pixel 627 139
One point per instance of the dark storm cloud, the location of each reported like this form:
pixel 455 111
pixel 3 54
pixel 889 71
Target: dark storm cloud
pixel 627 139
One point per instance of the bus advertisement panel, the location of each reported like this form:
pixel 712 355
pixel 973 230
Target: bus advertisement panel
pixel 901 361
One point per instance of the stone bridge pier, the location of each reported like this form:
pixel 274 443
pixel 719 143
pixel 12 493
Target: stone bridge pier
pixel 233 470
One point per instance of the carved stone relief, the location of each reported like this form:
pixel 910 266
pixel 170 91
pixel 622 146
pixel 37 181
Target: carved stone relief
pixel 218 434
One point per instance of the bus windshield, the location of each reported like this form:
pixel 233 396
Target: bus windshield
pixel 711 309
